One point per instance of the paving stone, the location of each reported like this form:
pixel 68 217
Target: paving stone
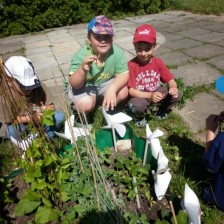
pixel 196 74
pixel 183 43
pixel 193 33
pixel 204 51
pixel 195 112
pixel 35 38
pixel 175 58
pixel 11 47
pixel 37 50
pixel 218 62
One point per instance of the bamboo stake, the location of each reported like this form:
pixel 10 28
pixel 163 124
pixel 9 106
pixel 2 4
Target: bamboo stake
pixel 173 212
pixel 65 109
pixel 136 191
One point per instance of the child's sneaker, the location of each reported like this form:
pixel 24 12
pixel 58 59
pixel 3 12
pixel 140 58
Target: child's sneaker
pixel 162 114
pixel 141 123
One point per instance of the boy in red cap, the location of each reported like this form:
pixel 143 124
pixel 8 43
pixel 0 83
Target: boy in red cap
pixel 146 75
pixel 98 69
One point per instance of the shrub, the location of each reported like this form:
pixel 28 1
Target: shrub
pixel 24 16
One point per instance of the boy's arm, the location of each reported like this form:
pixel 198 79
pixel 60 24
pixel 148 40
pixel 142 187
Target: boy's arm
pixel 212 123
pixel 137 93
pixel 78 77
pixel 173 91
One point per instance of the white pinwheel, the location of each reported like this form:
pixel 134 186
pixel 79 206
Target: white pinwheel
pixel 152 138
pixel 192 205
pixel 114 122
pixel 71 131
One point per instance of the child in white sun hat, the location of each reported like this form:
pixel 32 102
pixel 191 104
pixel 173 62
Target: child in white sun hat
pixel 23 92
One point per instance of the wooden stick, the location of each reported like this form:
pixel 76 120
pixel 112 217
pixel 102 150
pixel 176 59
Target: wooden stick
pixel 136 191
pixel 114 137
pixel 173 212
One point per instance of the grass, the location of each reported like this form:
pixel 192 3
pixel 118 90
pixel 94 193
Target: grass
pixel 200 6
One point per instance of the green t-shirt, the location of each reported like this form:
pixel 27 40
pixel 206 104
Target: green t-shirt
pixel 114 63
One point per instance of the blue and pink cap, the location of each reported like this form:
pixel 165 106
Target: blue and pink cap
pixel 101 25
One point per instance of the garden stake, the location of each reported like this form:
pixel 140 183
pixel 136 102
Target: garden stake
pixel 145 151
pixel 65 109
pixel 173 212
pixel 114 137
pixel 137 196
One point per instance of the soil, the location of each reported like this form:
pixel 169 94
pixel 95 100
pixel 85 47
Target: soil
pixel 18 188
pixel 151 211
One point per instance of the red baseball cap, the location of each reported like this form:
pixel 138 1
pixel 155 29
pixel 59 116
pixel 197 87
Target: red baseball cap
pixel 145 33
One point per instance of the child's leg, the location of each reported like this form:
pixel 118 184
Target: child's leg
pixel 138 105
pixel 169 101
pixel 84 98
pixel 121 95
pixel 58 122
pixel 16 131
pixel 59 118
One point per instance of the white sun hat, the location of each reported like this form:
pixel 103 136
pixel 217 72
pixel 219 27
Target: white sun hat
pixel 22 70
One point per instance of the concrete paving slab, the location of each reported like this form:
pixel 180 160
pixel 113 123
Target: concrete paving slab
pixel 49 73
pixel 201 23
pixel 11 47
pixel 195 116
pixel 170 36
pixel 175 58
pixel 193 33
pixel 54 82
pixel 216 26
pixel 35 38
pixel 122 23
pixel 211 37
pixel 182 43
pixel 162 50
pixel 37 50
pixel 204 51
pixel 42 43
pixel 168 27
pixel 218 62
pixel 198 73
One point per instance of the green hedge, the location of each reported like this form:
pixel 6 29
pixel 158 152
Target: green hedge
pixel 24 16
